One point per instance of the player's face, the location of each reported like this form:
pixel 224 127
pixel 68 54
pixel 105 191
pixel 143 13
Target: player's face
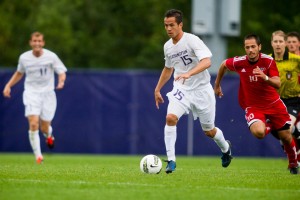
pixel 278 43
pixel 172 28
pixel 252 49
pixel 292 43
pixel 37 43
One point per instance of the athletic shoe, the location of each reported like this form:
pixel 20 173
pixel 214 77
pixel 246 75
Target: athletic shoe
pixel 50 142
pixel 171 166
pixel 294 170
pixel 39 160
pixel 226 157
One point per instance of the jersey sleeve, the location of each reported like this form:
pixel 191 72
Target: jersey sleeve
pixel 20 67
pixel 273 70
pixel 229 64
pixel 200 49
pixel 59 67
pixel 168 62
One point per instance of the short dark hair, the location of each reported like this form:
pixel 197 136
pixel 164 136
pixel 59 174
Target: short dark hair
pixel 253 36
pixel 175 13
pixel 293 34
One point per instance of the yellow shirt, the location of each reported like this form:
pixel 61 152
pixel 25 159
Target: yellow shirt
pixel 289 71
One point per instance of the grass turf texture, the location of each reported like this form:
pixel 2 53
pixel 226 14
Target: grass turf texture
pixel 88 177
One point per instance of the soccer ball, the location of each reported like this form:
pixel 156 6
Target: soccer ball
pixel 151 164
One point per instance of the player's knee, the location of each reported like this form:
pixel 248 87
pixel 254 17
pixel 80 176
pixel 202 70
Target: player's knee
pixel 34 126
pixel 210 133
pixel 259 134
pixel 171 120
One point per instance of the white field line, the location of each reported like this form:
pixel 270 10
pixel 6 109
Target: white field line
pixel 146 185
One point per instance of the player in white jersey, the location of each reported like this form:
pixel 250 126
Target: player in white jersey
pixel 39 65
pixel 189 58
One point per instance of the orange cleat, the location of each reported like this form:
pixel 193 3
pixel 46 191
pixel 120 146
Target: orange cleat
pixel 39 160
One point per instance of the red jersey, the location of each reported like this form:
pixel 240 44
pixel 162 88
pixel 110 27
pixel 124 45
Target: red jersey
pixel 254 91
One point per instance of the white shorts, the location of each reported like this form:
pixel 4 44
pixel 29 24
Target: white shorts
pixel 201 102
pixel 41 104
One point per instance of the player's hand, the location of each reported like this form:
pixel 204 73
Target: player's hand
pixel 6 92
pixel 258 73
pixel 182 77
pixel 60 85
pixel 218 91
pixel 158 99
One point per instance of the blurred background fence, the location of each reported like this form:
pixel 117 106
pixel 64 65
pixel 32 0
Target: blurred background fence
pixel 113 112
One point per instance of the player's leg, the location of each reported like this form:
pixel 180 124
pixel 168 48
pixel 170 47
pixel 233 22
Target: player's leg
pixel 178 105
pixel 34 137
pixel 256 121
pixel 32 104
pixel 225 145
pixel 206 113
pixel 281 122
pixel 174 112
pixel 48 112
pixel 293 107
pixel 258 129
pixel 296 135
pixel 289 147
pixel 46 129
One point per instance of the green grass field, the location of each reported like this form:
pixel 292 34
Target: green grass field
pixel 88 177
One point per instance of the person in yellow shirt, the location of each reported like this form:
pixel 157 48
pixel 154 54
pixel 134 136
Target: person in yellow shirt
pixel 293 42
pixel 288 65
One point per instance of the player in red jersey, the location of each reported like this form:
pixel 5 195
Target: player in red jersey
pixel 259 79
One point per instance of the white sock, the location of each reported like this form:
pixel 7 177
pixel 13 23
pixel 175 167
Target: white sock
pixel 46 135
pixel 220 140
pixel 170 140
pixel 293 129
pixel 50 131
pixel 298 126
pixel 34 139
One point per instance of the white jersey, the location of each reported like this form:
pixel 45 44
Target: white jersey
pixel 184 56
pixel 40 70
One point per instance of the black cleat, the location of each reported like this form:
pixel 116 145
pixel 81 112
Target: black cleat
pixel 226 157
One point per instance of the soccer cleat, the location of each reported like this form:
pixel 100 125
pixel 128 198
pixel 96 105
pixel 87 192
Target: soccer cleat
pixel 50 142
pixel 171 166
pixel 226 157
pixel 294 170
pixel 39 160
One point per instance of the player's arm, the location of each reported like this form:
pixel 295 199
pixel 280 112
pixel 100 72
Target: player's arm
pixel 17 76
pixel 61 80
pixel 163 79
pixel 273 81
pixel 221 72
pixel 201 66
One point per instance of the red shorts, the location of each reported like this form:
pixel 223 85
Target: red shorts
pixel 277 114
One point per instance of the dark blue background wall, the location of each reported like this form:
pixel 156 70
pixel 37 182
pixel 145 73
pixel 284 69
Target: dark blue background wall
pixel 113 112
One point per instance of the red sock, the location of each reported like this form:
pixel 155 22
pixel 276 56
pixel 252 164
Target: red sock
pixel 297 149
pixel 291 154
pixel 268 129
